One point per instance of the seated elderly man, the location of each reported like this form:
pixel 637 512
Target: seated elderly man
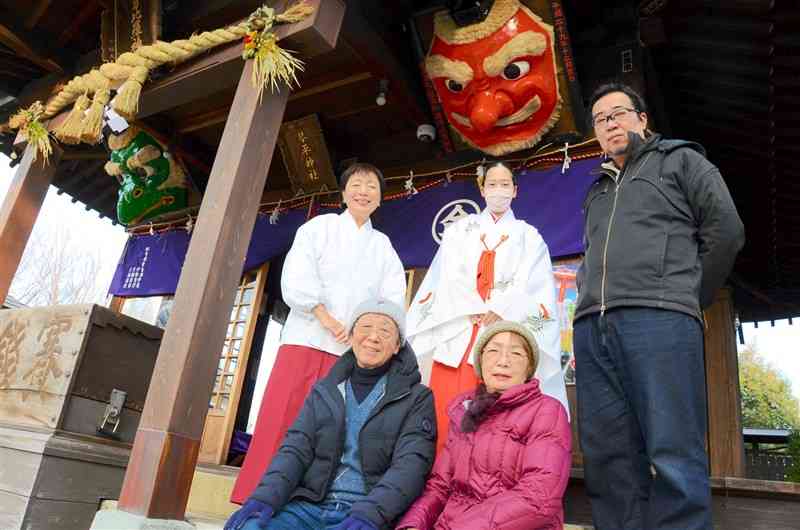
pixel 363 444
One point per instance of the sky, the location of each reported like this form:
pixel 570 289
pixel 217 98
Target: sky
pixel 779 345
pixel 91 233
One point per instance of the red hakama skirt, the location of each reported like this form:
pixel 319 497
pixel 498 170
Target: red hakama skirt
pixel 296 370
pixel 448 382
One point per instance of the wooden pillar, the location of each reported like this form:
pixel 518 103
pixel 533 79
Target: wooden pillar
pixel 725 441
pixel 20 209
pixel 116 304
pixel 572 399
pixel 165 450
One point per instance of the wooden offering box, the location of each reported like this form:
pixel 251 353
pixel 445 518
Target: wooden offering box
pixel 58 368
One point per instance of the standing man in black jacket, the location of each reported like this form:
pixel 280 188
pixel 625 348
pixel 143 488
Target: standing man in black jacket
pixel 661 235
pixel 361 448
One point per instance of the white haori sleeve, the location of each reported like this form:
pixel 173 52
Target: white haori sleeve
pixel 439 316
pixel 301 286
pixel 530 298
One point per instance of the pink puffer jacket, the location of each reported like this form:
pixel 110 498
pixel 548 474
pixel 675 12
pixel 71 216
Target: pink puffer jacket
pixel 510 474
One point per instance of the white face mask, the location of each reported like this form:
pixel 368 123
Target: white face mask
pixel 499 200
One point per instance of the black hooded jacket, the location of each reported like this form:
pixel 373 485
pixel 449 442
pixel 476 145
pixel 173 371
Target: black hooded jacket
pixel 397 443
pixel 663 233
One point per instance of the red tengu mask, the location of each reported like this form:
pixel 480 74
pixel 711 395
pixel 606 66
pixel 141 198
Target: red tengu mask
pixel 496 79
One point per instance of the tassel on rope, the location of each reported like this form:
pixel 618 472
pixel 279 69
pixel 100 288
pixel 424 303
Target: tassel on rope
pixel 93 123
pixel 273 65
pixel 28 121
pixel 70 131
pixel 126 102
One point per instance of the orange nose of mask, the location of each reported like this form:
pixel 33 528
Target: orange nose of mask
pixel 488 107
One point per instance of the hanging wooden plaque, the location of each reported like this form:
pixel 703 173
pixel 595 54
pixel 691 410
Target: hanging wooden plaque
pixel 127 24
pixel 305 155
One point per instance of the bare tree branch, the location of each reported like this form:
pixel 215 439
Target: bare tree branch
pixel 56 270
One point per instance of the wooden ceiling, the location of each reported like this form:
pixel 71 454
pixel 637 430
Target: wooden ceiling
pixel 720 72
pixel 732 71
pixel 340 87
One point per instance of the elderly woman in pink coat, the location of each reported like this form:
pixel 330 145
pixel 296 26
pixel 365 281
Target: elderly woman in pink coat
pixel 506 462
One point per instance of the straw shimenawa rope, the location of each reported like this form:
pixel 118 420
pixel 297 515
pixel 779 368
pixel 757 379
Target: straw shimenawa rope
pixel 85 121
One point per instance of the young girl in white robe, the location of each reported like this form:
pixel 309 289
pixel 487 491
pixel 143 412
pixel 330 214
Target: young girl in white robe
pixel 490 266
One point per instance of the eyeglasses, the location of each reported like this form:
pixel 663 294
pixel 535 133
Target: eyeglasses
pixel 382 333
pixel 615 116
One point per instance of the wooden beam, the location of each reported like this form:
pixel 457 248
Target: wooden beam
pixel 332 85
pixel 11 73
pixel 94 184
pixel 39 9
pixel 204 120
pixel 10 59
pixel 108 207
pixel 760 295
pixel 88 10
pixel 353 111
pixel 40 89
pixel 100 198
pixel 725 441
pixel 65 184
pixel 383 63
pixel 82 154
pixel 24 43
pixel 185 155
pixel 193 12
pixel 20 209
pixel 154 19
pixel 221 67
pixel 165 450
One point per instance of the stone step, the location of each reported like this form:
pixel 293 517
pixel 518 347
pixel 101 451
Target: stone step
pixel 209 507
pixel 204 522
pixel 198 522
pixel 212 524
pixel 211 489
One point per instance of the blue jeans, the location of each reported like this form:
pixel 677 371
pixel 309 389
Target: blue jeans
pixel 640 376
pixel 302 515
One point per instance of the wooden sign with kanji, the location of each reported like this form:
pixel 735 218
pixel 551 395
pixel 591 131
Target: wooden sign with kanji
pixel 305 155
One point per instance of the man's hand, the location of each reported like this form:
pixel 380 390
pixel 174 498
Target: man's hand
pixel 333 326
pixel 490 318
pixel 251 509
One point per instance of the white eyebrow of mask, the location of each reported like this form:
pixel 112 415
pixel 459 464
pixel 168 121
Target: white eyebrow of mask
pixel 528 43
pixel 441 66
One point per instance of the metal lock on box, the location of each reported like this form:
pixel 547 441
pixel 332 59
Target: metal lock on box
pixel 113 414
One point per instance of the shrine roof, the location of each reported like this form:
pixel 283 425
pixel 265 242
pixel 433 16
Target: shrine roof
pixel 721 73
